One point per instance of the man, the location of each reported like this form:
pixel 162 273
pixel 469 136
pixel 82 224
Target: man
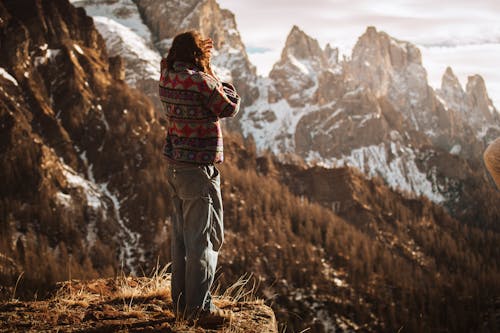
pixel 194 100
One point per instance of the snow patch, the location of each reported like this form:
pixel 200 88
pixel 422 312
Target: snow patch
pixel 302 67
pixel 48 57
pixel 456 149
pixel 96 194
pixel 75 180
pixel 122 41
pixel 78 48
pixel 7 76
pixel 278 135
pixel 399 169
pixel 124 12
pixel 64 199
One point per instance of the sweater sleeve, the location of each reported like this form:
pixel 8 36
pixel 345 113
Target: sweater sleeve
pixel 220 97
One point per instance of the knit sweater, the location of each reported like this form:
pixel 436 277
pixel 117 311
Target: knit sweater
pixel 193 102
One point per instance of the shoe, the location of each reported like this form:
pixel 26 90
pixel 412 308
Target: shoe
pixel 215 317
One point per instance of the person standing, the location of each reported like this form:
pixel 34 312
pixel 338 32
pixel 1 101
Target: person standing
pixel 194 100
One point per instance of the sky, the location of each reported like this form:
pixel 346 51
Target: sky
pixel 462 34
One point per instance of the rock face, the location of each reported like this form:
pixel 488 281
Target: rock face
pixel 472 106
pixel 74 140
pixel 126 36
pixel 295 76
pixel 315 107
pixel 392 68
pixel 168 18
pixel 452 92
pixel 374 111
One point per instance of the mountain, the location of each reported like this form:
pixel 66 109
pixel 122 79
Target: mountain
pixel 121 26
pixel 83 190
pixel 374 111
pixel 75 138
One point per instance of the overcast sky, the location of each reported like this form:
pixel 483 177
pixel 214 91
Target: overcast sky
pixel 464 34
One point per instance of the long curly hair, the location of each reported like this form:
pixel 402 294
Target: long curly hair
pixel 187 47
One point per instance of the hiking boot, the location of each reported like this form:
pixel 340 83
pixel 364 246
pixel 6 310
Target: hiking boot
pixel 215 317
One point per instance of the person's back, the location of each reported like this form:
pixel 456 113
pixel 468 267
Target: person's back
pixel 193 101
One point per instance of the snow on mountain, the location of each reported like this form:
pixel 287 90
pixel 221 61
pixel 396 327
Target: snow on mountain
pixel 102 201
pixel 312 105
pixel 142 61
pixel 126 35
pixel 7 76
pixel 374 111
pixel 395 163
pixel 123 12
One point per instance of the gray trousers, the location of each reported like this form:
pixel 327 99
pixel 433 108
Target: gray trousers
pixel 197 235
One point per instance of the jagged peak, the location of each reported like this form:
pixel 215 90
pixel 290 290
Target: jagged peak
pixel 476 87
pixel 296 29
pixel 450 80
pixel 332 54
pixel 449 72
pixel 477 92
pixel 371 30
pixel 475 81
pixel 300 45
pixel 373 43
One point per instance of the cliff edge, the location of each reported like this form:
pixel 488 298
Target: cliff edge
pixel 126 304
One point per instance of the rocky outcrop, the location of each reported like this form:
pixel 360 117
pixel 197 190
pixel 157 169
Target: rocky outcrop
pixel 74 141
pixel 472 108
pixel 125 304
pixel 295 76
pixel 481 110
pixel 451 92
pixel 126 36
pixel 393 68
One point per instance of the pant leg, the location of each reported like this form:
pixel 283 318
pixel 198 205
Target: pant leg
pixel 178 251
pixel 199 191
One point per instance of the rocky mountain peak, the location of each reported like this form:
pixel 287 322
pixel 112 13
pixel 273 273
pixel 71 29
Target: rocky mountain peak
pixel 301 46
pixel 332 54
pixel 393 68
pixel 450 80
pixel 296 74
pixel 479 101
pixel 379 48
pixel 451 91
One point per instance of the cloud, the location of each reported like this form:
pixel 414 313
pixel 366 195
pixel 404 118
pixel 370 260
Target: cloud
pixel 467 26
pixel 257 49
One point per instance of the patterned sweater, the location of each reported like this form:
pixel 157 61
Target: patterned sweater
pixel 193 102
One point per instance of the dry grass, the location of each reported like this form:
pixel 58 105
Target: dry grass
pixel 144 298
pixel 142 289
pixel 243 290
pixel 71 297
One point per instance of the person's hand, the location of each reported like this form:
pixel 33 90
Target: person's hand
pixel 207 45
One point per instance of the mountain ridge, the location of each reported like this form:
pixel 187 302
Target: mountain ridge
pixel 330 248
